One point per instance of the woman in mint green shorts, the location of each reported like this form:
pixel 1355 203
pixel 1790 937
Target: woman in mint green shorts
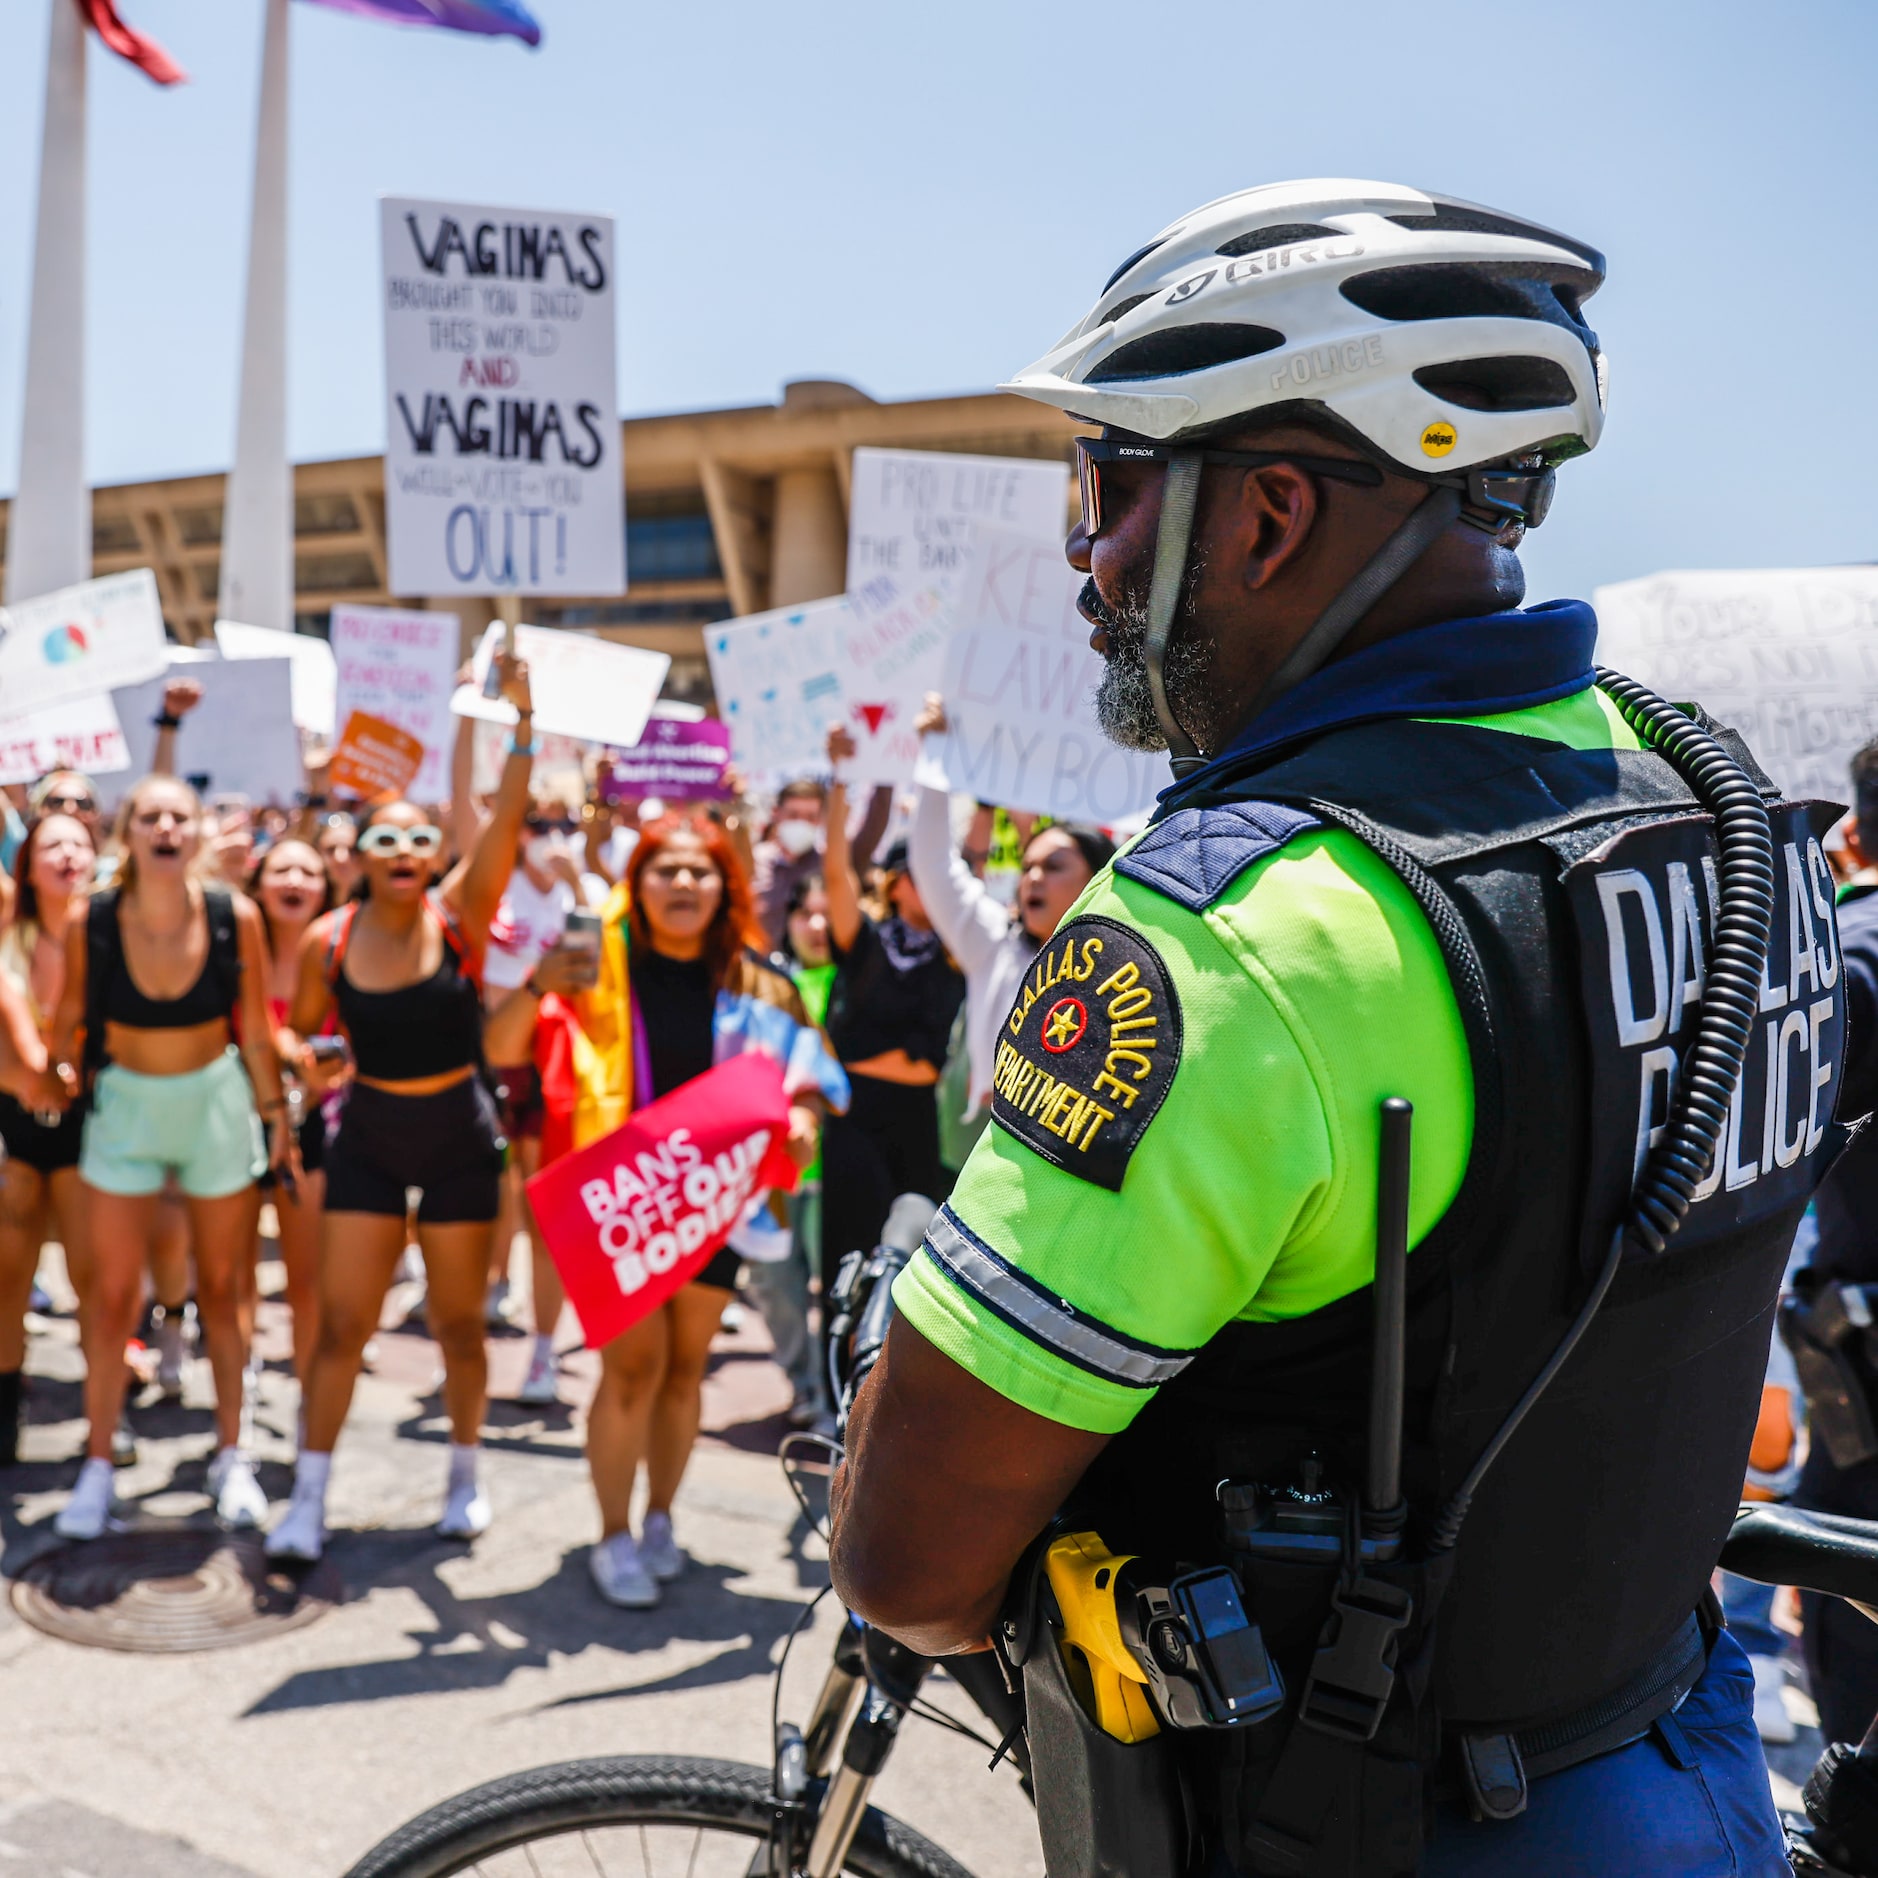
pixel 160 978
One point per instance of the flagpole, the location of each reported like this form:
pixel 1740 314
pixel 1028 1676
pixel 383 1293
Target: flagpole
pixel 257 511
pixel 49 528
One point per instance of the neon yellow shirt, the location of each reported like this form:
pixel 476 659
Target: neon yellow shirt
pixel 1302 996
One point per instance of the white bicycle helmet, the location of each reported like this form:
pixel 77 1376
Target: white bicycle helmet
pixel 1444 339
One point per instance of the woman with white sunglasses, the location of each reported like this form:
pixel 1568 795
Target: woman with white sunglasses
pixel 402 966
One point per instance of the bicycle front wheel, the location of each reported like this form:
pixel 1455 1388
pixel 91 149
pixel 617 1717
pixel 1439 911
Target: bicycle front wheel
pixel 663 1816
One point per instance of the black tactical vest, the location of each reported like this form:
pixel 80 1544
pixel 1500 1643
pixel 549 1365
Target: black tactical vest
pixel 1573 894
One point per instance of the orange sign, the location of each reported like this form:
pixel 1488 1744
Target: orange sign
pixel 375 758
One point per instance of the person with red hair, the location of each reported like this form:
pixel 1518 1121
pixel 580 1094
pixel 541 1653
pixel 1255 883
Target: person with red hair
pixel 696 991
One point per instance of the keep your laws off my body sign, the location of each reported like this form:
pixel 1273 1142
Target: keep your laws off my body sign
pixel 502 455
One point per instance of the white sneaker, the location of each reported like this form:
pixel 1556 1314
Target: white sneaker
pixel 466 1512
pixel 619 1574
pixel 659 1550
pixel 1771 1721
pixel 301 1534
pixel 87 1514
pixel 239 1502
pixel 539 1385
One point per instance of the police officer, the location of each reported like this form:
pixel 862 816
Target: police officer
pixel 1413 850
pixel 1841 1645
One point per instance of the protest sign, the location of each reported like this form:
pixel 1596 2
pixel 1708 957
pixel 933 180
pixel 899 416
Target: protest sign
pixel 374 757
pixel 81 641
pixel 239 740
pixel 401 666
pixel 911 512
pixel 80 734
pixel 502 452
pixel 635 1215
pixel 777 676
pixel 1019 690
pixel 587 689
pixel 892 648
pixel 675 761
pixel 1786 656
pixel 313 670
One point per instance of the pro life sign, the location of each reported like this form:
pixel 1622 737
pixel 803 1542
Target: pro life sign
pixel 502 451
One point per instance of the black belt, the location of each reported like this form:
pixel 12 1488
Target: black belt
pixel 1496 1764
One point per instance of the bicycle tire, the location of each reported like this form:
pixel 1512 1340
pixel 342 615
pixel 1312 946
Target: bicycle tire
pixel 676 1790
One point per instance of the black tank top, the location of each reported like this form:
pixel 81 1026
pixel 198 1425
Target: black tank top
pixel 425 1029
pixel 213 994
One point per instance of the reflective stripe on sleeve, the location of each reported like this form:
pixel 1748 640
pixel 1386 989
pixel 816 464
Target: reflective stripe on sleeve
pixel 1045 1319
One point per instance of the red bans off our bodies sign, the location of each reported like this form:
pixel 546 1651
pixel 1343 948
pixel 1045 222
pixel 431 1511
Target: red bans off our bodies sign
pixel 635 1215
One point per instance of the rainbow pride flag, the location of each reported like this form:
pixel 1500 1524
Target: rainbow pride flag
pixel 457 16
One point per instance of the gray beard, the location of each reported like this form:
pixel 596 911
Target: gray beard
pixel 1125 699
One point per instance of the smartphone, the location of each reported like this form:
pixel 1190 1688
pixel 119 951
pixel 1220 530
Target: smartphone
pixel 582 934
pixel 328 1049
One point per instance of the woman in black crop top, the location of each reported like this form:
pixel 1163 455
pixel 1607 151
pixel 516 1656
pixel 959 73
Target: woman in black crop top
pixel 400 965
pixel 895 995
pixel 160 977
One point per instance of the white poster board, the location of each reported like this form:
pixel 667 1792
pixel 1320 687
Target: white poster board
pixel 401 667
pixel 1786 656
pixel 1019 688
pixel 911 512
pixel 778 681
pixel 313 669
pixel 80 641
pixel 502 435
pixel 587 689
pixel 240 739
pixel 80 734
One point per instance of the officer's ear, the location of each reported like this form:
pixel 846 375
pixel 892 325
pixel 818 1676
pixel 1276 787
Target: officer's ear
pixel 1274 514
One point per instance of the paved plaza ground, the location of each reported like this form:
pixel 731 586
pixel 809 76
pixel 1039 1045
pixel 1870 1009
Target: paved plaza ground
pixel 445 1664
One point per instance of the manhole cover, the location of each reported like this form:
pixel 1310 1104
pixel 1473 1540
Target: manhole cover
pixel 164 1592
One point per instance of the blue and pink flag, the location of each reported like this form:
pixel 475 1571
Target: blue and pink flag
pixel 457 16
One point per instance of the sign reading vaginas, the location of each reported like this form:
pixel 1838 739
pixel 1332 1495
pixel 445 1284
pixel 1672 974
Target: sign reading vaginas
pixel 81 641
pixel 1786 656
pixel 1019 686
pixel 502 451
pixel 400 667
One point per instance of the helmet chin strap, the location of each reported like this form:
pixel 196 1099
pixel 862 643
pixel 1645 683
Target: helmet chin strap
pixel 1409 541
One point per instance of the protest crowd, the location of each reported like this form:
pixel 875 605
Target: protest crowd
pixel 344 1032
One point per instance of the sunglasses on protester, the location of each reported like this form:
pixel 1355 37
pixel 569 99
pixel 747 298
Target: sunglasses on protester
pixel 550 824
pixel 1096 455
pixel 75 804
pixel 386 840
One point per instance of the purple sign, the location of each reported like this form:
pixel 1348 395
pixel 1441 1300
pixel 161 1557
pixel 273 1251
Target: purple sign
pixel 675 761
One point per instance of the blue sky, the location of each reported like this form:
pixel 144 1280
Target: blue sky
pixel 919 199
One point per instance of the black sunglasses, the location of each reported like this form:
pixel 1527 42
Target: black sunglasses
pixel 1094 454
pixel 67 805
pixel 558 824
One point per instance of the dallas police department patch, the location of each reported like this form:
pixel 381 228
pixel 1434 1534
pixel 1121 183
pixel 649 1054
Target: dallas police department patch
pixel 1089 1051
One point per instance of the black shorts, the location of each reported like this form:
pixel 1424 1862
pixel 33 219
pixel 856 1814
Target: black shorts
pixel 447 1144
pixel 720 1269
pixel 45 1150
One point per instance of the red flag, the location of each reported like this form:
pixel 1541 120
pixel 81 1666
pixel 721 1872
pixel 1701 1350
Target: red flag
pixel 143 52
pixel 635 1215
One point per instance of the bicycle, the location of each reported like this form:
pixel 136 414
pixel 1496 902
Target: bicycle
pixel 808 1815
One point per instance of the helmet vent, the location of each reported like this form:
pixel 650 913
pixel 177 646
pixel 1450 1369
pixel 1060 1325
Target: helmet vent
pixel 1449 290
pixel 1460 219
pixel 1140 254
pixel 1177 349
pixel 1122 307
pixel 1279 235
pixel 1499 384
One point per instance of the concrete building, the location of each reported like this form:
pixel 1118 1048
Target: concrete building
pixel 726 512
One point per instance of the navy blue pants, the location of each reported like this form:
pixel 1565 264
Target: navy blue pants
pixel 1690 1800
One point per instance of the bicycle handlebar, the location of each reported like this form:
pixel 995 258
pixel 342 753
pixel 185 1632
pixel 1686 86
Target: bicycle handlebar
pixel 1783 1545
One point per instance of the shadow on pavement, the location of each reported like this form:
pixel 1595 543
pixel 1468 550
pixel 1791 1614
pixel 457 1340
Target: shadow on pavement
pixel 479 1643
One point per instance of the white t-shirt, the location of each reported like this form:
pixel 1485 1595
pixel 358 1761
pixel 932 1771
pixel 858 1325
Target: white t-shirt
pixel 525 926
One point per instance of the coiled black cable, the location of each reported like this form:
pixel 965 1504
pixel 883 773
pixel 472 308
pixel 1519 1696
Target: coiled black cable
pixel 1731 992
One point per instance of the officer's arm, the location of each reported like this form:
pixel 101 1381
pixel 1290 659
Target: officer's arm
pixel 945 1484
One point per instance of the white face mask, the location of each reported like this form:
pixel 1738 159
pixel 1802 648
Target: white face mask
pixel 795 837
pixel 541 850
